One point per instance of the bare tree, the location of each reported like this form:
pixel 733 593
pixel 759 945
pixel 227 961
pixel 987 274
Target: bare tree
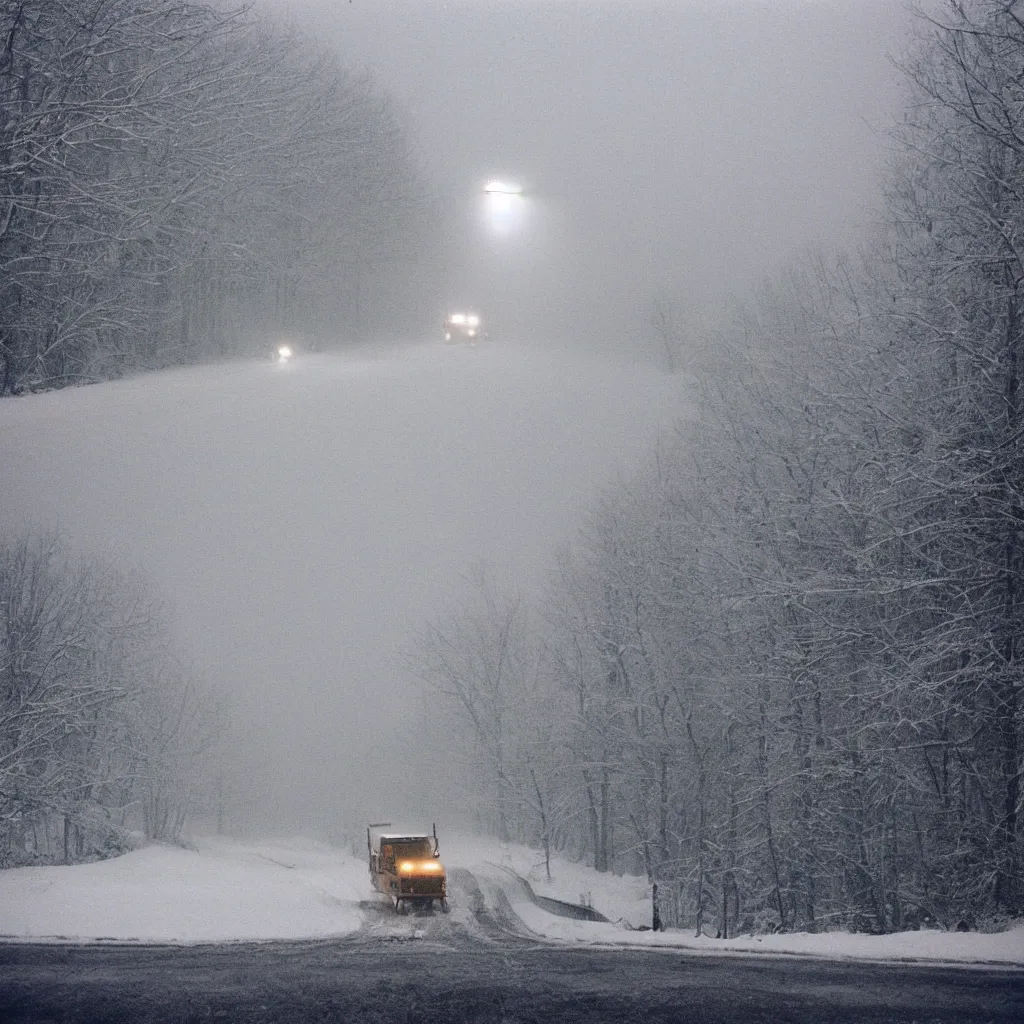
pixel 98 733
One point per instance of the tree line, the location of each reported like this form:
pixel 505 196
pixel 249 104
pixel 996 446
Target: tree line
pixel 104 735
pixel 780 670
pixel 182 181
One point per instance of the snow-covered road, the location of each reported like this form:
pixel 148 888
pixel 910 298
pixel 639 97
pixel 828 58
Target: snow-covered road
pixel 477 965
pixel 226 890
pixel 169 934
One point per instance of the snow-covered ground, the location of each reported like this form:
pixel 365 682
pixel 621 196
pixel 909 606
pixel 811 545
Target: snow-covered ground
pixel 218 891
pixel 301 525
pixel 232 890
pixel 626 902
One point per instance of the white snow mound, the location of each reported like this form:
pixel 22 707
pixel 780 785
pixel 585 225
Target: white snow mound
pixel 219 891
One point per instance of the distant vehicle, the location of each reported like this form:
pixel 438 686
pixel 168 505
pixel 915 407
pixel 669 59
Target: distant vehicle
pixel 283 353
pixel 463 327
pixel 404 866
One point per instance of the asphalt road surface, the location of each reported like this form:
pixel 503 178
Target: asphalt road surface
pixel 476 965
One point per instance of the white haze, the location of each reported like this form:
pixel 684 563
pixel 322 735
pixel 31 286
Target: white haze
pixel 670 148
pixel 303 525
pixel 304 522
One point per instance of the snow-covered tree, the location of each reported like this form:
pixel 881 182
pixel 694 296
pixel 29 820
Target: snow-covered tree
pixel 99 732
pixel 178 181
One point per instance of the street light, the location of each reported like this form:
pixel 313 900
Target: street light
pixel 504 206
pixel 503 188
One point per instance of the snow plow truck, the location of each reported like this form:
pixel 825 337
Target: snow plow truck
pixel 406 867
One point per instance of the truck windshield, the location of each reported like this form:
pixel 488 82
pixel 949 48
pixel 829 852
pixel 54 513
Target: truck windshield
pixel 414 848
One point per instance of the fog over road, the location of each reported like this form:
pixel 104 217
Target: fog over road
pixel 303 522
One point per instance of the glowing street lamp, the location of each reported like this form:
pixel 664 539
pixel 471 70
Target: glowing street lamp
pixel 503 188
pixel 504 206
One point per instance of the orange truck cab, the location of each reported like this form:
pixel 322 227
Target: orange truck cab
pixel 406 867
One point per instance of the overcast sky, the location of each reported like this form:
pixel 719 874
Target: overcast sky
pixel 682 148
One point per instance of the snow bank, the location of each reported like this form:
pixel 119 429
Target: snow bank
pixel 626 902
pixel 221 890
pixel 227 890
pixel 923 946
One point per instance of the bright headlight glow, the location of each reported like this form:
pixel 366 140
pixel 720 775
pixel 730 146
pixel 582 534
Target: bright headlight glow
pixel 503 188
pixel 458 318
pixel 284 351
pixel 472 332
pixel 473 320
pixel 427 867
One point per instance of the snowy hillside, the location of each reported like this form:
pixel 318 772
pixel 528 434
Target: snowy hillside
pixel 303 521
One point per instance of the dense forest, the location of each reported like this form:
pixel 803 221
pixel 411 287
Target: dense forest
pixel 183 181
pixel 104 735
pixel 780 671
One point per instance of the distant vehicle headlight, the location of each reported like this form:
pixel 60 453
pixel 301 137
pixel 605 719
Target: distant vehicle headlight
pixel 472 332
pixel 458 318
pixel 473 320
